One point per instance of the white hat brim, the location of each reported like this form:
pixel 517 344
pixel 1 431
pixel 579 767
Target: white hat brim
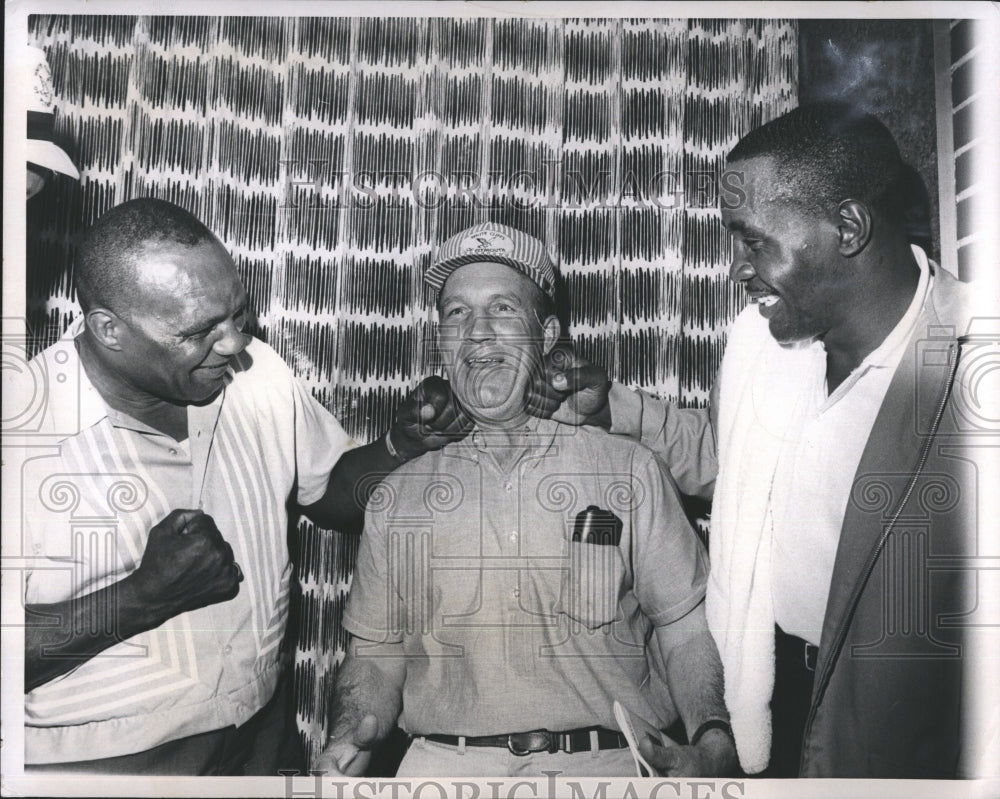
pixel 46 154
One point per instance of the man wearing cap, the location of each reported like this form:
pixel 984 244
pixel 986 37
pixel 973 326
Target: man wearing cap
pixel 510 587
pixel 44 155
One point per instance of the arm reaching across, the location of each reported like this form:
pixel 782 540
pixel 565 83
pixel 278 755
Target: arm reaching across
pixel 367 702
pixel 187 564
pixel 427 420
pixel 573 391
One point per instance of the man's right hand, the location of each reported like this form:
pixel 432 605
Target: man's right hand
pixel 348 755
pixel 570 389
pixel 187 565
pixel 714 756
pixel 429 418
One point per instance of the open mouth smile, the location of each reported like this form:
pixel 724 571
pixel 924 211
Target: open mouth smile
pixel 218 369
pixel 479 361
pixel 762 297
pixel 764 300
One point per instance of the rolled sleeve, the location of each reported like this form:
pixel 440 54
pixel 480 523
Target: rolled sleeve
pixel 683 438
pixel 670 565
pixel 627 409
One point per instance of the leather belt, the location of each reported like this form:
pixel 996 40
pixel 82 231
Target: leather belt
pixel 526 743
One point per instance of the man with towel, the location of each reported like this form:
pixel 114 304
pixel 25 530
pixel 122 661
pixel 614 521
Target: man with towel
pixel 844 480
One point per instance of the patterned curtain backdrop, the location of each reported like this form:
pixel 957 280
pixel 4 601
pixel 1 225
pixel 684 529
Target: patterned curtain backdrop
pixel 331 156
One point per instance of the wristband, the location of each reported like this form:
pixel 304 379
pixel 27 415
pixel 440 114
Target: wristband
pixel 391 449
pixel 712 724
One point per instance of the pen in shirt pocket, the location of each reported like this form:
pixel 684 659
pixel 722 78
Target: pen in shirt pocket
pixel 595 525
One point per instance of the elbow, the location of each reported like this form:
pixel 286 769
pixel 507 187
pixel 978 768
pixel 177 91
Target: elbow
pixel 349 521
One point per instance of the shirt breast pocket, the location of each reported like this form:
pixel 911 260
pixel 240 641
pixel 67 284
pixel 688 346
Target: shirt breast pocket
pixel 457 597
pixel 592 583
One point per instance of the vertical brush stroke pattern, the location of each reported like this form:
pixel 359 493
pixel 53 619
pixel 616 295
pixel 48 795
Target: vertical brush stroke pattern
pixel 588 133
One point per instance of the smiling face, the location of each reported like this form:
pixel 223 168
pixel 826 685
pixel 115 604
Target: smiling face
pixel 786 257
pixel 185 326
pixel 493 336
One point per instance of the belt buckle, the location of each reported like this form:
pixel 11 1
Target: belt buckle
pixel 542 737
pixel 810 662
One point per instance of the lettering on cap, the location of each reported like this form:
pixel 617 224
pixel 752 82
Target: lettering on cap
pixel 487 243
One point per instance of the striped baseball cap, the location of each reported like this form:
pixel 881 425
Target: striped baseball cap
pixel 491 242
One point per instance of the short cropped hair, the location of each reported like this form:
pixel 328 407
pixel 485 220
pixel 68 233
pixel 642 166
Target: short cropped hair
pixel 829 152
pixel 107 251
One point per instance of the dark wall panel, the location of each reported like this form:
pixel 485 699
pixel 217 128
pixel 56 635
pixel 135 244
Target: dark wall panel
pixel 885 67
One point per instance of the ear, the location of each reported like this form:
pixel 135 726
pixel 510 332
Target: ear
pixel 105 327
pixel 854 227
pixel 551 328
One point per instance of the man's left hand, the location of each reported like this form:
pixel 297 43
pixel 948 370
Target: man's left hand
pixel 428 418
pixel 714 756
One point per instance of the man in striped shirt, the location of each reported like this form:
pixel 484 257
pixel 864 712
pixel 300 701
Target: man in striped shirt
pixel 157 523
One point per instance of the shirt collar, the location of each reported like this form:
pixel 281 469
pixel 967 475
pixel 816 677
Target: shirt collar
pixel 887 353
pixel 93 408
pixel 536 437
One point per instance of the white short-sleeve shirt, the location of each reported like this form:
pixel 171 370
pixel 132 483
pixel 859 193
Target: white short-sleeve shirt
pixel 87 512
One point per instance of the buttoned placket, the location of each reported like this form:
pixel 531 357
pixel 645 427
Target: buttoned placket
pixel 803 451
pixel 193 454
pixel 502 520
pixel 202 422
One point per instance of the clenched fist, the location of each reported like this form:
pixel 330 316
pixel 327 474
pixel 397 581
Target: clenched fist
pixel 187 565
pixel 570 389
pixel 429 418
